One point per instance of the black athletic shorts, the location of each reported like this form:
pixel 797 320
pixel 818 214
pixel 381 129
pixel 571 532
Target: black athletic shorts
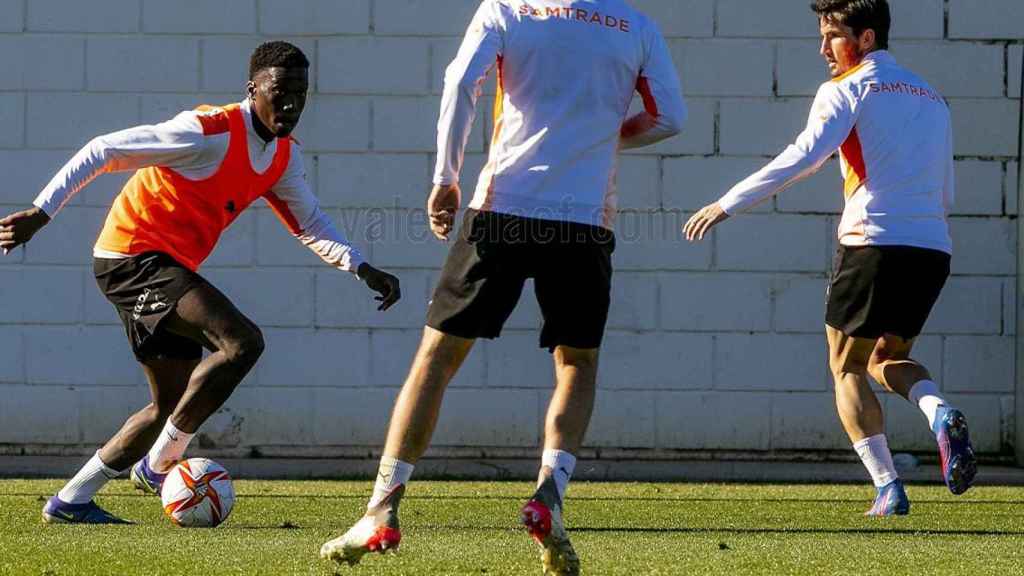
pixel 878 290
pixel 143 290
pixel 495 253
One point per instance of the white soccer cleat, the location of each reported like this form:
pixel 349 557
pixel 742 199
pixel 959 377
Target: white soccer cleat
pixel 542 517
pixel 377 531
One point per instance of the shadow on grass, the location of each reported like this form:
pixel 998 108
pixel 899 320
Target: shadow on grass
pixel 724 530
pixel 680 530
pixel 783 531
pixel 524 495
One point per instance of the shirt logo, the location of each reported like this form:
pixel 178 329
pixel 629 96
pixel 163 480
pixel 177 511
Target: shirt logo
pixel 576 15
pixel 230 206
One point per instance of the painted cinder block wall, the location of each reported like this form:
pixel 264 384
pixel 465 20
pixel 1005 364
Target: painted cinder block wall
pixel 716 346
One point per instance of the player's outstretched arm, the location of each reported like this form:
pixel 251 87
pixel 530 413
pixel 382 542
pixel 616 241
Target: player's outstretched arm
pixel 171 143
pixel 831 119
pixel 299 210
pixel 18 228
pixel 177 143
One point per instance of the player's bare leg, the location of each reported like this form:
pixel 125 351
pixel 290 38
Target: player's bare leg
pixel 565 426
pixel 412 424
pixel 859 409
pixel 418 405
pixel 168 379
pixel 205 316
pixel 572 404
pixel 892 366
pixel 861 415
pixel 73 504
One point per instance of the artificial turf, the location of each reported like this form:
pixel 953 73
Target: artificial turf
pixel 470 528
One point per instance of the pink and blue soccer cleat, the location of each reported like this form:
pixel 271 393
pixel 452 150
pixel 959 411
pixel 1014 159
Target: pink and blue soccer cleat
pixel 145 479
pixel 542 517
pixel 891 501
pixel 957 457
pixel 57 511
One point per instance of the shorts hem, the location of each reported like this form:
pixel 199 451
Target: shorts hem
pixel 466 334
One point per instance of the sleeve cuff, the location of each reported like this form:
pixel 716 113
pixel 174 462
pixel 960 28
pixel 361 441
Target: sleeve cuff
pixel 50 211
pixel 728 205
pixel 354 261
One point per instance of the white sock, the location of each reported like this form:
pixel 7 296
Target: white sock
pixel 874 453
pixel 562 465
pixel 169 448
pixel 926 395
pixel 88 481
pixel 391 474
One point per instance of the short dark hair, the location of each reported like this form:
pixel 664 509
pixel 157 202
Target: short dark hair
pixel 276 54
pixel 858 15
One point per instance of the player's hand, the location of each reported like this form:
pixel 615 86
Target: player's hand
pixel 699 224
pixel 382 283
pixel 442 205
pixel 18 228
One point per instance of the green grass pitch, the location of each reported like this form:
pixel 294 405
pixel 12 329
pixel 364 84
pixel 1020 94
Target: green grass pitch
pixel 470 528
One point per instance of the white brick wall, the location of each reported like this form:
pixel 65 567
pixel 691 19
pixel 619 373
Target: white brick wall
pixel 779 19
pixel 984 20
pixel 400 65
pixel 717 345
pixel 799 68
pixel 979 188
pixel 14 15
pixel 12 354
pixel 314 17
pixel 917 18
pixel 113 16
pixel 750 75
pixel 55 119
pixel 171 64
pixel 1014 70
pixel 760 127
pixel 942 66
pixel 12 114
pixel 418 18
pixel 984 127
pixel 43 62
pixel 199 17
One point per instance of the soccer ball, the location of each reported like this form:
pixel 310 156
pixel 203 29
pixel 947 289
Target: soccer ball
pixel 198 493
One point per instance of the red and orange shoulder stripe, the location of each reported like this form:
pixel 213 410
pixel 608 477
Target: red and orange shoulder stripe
pixel 214 119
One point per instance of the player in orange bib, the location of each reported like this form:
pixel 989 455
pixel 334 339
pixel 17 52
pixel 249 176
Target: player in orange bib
pixel 194 175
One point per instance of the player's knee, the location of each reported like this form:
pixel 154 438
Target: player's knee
pixel 154 412
pixel 245 348
pixel 876 366
pixel 842 366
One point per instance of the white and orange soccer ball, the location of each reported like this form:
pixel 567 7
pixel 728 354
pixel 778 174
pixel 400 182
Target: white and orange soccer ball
pixel 198 493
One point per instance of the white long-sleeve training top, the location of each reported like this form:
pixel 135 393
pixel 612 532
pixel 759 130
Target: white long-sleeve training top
pixel 895 142
pixel 180 145
pixel 567 73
